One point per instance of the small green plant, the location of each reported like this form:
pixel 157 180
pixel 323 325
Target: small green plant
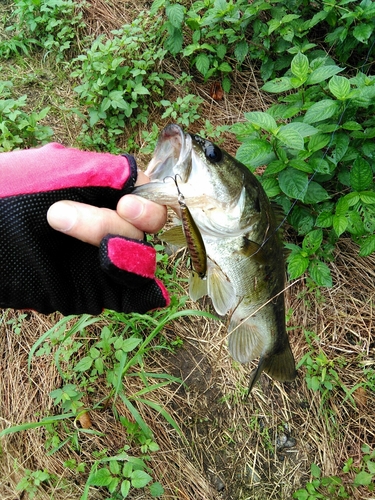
pixel 51 25
pixel 120 78
pixel 18 128
pixel 318 146
pixel 32 480
pixel 183 110
pixel 337 487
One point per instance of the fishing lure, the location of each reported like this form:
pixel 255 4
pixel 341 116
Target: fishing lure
pixel 193 237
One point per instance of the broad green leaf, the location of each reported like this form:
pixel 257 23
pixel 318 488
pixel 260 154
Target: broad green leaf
pixel 297 265
pixel 300 66
pixel 140 479
pixel 340 223
pixel 324 219
pixel 271 186
pixel 274 167
pixel 156 4
pixel 320 166
pixel 221 50
pixel 312 241
pixel 351 125
pixel 339 87
pixel 367 197
pixel 130 344
pixel 140 89
pixel 156 490
pixel 290 137
pixel 84 364
pixel 225 67
pixel 362 32
pixel 317 142
pixel 102 477
pixel 363 478
pixel 304 129
pixel 315 193
pixel 361 175
pixel 254 153
pixel 278 85
pixel 320 273
pixel 293 183
pixel 174 42
pixel 321 110
pixel 322 73
pixel 341 144
pixel 353 198
pixel 202 63
pixel 241 50
pixel 302 165
pixel 315 470
pixel 262 120
pixel 175 13
pixel 125 488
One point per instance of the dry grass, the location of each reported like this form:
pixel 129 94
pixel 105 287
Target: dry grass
pixel 230 447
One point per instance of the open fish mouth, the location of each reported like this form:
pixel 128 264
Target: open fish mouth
pixel 172 155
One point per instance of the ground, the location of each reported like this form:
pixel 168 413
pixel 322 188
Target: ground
pixel 232 447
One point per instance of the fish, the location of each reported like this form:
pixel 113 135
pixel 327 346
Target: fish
pixel 245 267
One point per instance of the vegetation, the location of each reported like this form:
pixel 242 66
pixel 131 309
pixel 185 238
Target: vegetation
pixel 312 146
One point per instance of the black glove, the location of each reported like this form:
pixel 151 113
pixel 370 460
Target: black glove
pixel 45 270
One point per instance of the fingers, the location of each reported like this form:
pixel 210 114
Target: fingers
pixel 143 214
pixel 88 223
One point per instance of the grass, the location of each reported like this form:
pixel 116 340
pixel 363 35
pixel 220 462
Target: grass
pixel 228 448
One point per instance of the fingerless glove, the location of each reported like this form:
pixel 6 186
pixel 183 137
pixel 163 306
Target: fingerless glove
pixel 46 270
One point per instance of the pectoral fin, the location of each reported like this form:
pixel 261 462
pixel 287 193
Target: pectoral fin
pixel 174 236
pixel 246 342
pixel 220 289
pixel 197 286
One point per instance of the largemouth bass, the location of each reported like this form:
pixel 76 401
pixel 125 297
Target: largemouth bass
pixel 245 271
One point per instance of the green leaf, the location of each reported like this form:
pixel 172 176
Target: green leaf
pixel 315 470
pixel 363 478
pixel 293 183
pixel 315 193
pixel 225 67
pixel 262 120
pixel 255 152
pixel 320 273
pixel 140 479
pixel 156 490
pixel 130 344
pixel 84 364
pixel 341 142
pixel 271 187
pixel 300 66
pixel 362 32
pixel 322 73
pixel 175 13
pixel 102 477
pixel 304 129
pixel 312 241
pixel 321 110
pixel 278 85
pixel 339 87
pixel 290 137
pixel 202 63
pixel 324 219
pixel 367 246
pixel 367 197
pixel 241 50
pixel 360 175
pixel 297 265
pixel 274 167
pixel 156 4
pixel 317 142
pixel 340 223
pixel 125 488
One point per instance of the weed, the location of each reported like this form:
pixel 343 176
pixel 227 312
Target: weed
pixel 318 148
pixel 33 479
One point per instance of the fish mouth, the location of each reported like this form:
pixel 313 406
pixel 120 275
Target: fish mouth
pixel 172 155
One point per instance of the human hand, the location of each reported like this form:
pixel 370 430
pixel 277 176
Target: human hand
pixel 133 216
pixel 48 270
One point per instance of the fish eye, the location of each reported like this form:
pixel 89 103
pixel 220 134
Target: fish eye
pixel 213 153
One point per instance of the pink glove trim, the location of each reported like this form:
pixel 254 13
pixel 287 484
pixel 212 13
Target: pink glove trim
pixel 54 167
pixel 164 291
pixel 132 256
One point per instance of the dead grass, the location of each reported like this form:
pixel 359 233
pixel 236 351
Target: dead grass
pixel 231 448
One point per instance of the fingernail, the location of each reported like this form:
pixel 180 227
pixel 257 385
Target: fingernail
pixel 131 207
pixel 62 216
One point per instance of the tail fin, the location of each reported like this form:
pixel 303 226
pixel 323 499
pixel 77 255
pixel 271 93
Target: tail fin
pixel 279 365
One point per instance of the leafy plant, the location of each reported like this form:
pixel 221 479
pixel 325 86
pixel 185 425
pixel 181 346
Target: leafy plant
pixel 32 480
pixel 52 25
pixel 119 77
pixel 18 128
pixel 318 146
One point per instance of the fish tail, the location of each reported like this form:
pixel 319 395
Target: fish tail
pixel 278 365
